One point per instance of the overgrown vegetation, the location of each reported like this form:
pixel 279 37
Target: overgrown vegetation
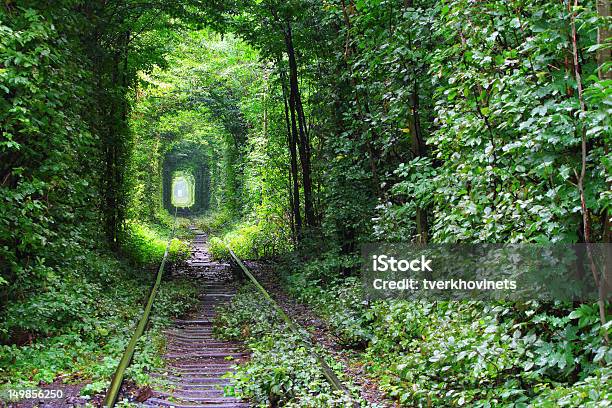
pixel 145 246
pixel 76 328
pixel 433 122
pixel 281 370
pixel 466 353
pixel 73 272
pixel 79 334
pixel 309 128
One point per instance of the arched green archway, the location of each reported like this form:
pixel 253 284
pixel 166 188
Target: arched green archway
pixel 186 164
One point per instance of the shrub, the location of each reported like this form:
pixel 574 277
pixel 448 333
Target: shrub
pixel 216 222
pixel 249 241
pixel 96 323
pixel 145 246
pixel 469 353
pixel 462 353
pixel 341 304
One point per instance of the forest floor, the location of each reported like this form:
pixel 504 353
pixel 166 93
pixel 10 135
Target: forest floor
pixel 321 334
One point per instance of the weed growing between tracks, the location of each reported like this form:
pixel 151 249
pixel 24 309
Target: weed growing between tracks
pixel 281 372
pixel 75 329
pixel 247 239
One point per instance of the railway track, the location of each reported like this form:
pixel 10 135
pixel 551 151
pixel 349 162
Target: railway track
pixel 196 360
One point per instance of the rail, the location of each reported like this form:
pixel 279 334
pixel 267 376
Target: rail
pixel 117 380
pixel 329 374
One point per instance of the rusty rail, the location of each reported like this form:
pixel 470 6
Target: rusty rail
pixel 117 380
pixel 329 374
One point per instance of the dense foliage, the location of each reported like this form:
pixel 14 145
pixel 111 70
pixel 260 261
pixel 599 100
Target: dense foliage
pixel 453 121
pixel 89 323
pixel 67 73
pixel 467 353
pixel 308 128
pixel 66 80
pixel 437 121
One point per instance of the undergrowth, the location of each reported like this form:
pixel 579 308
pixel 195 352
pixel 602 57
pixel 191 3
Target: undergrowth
pixel 281 371
pixel 248 240
pixel 215 222
pixel 145 244
pixel 463 353
pixel 244 240
pixel 75 327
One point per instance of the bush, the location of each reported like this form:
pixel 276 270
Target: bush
pixel 592 392
pixel 145 246
pixel 178 251
pixel 319 283
pixel 218 248
pixel 461 353
pixel 249 241
pixel 216 222
pixel 488 354
pixel 245 241
pixel 83 324
pixel 341 304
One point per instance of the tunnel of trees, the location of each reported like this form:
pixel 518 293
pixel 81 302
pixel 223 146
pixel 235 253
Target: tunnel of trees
pixel 310 128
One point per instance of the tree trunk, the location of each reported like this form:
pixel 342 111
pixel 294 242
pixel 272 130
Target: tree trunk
pixel 586 220
pixel 295 104
pixel 110 142
pixel 418 145
pixel 603 54
pixel 292 142
pixel 363 107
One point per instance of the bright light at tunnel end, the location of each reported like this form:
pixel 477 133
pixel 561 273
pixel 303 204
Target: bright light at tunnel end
pixel 183 189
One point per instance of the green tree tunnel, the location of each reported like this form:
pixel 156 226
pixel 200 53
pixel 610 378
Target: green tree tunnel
pixel 305 129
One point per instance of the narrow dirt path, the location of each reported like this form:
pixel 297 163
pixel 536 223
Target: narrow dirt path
pixel 196 360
